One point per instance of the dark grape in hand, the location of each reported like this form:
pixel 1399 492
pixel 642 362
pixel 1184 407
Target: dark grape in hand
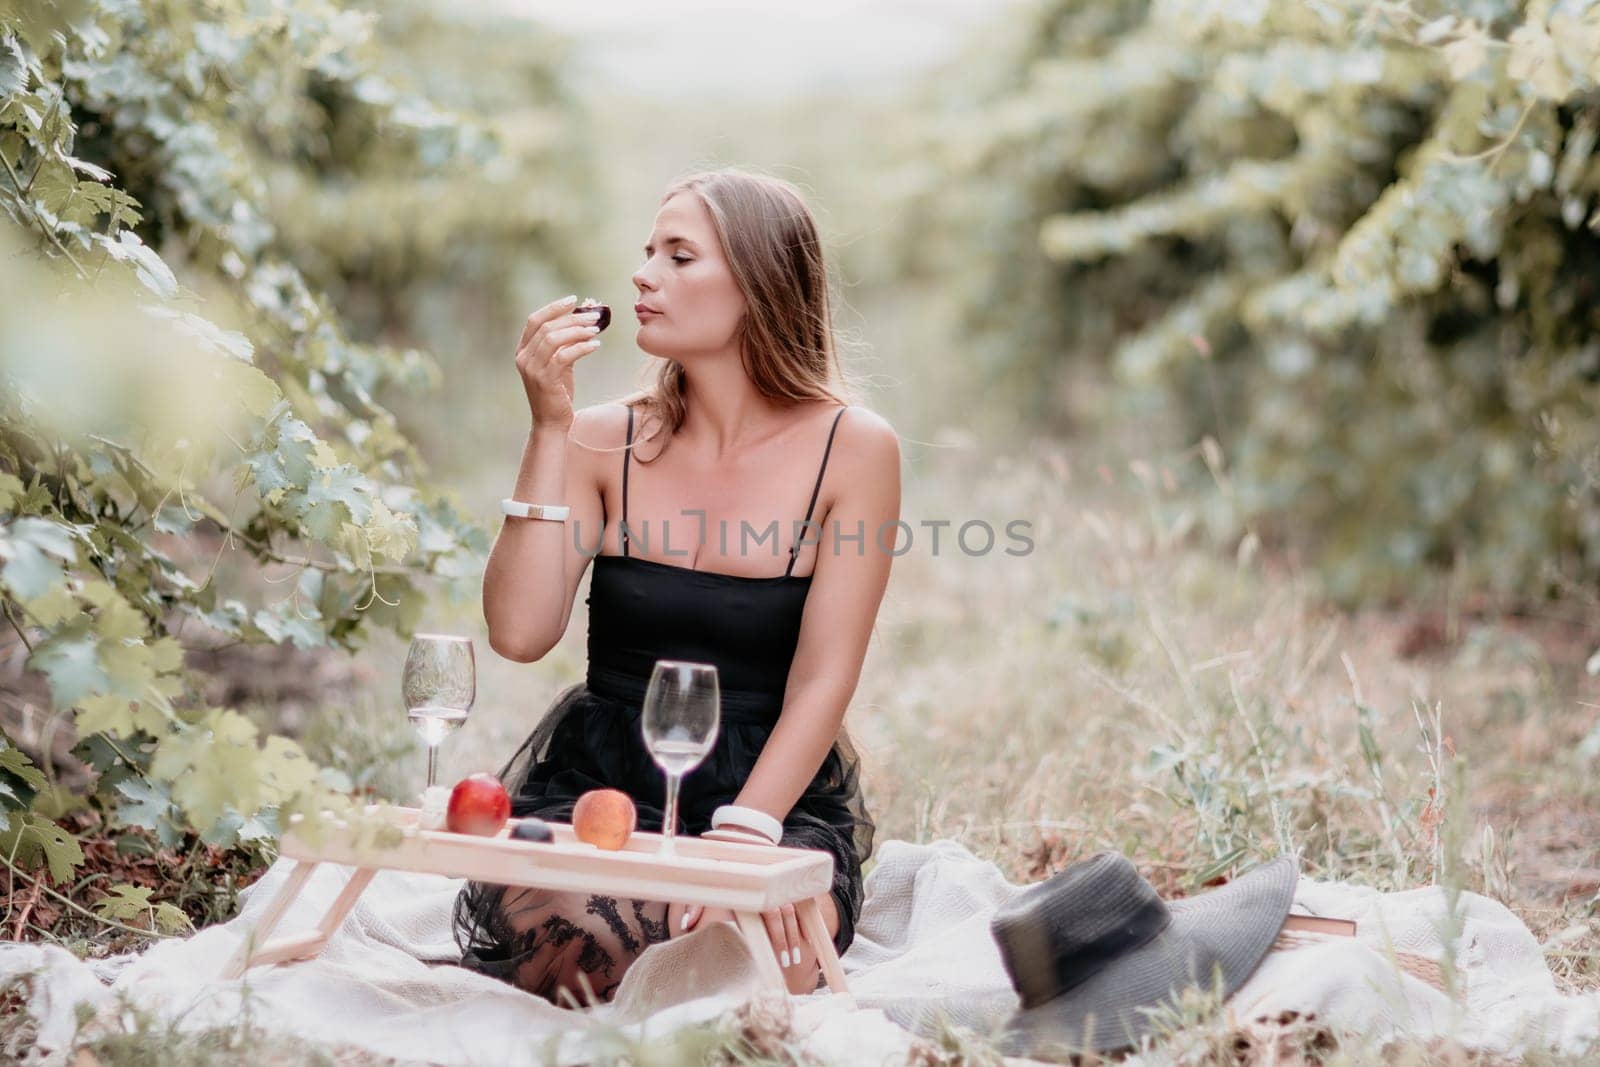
pixel 532 830
pixel 592 304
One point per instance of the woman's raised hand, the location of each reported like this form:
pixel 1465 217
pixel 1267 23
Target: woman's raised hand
pixel 552 341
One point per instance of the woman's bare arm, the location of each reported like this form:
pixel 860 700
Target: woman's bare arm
pixel 534 568
pixel 846 589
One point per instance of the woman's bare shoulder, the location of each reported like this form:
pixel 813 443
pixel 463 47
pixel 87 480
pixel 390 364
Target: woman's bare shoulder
pixel 865 456
pixel 863 431
pixel 859 415
pixel 603 425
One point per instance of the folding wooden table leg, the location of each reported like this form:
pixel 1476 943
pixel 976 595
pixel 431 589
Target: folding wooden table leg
pixel 815 929
pixel 359 879
pixel 761 947
pixel 256 940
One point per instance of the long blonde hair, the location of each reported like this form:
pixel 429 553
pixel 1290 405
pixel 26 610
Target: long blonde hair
pixel 786 336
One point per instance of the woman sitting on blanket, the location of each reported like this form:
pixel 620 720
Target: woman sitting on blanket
pixel 746 427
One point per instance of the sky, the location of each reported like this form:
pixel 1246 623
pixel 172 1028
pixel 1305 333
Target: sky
pixel 697 47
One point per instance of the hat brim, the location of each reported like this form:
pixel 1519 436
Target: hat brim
pixel 1226 931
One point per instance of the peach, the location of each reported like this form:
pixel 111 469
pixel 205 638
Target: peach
pixel 604 818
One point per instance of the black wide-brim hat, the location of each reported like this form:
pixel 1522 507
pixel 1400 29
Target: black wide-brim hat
pixel 1096 954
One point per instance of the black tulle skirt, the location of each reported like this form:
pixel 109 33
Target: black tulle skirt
pixel 589 740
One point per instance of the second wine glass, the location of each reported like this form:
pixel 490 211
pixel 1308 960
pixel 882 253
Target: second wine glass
pixel 682 714
pixel 439 684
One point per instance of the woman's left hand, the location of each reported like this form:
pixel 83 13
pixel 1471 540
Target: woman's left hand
pixel 783 926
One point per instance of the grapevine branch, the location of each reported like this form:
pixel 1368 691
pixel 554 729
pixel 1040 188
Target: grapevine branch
pixel 27 205
pixel 297 561
pixel 55 106
pixel 12 619
pixel 1497 151
pixel 79 908
pixel 265 550
pixel 112 741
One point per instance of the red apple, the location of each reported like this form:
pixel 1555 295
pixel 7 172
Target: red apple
pixel 478 805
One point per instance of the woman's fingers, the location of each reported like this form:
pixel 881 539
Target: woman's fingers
pixel 791 929
pixel 775 930
pixel 567 355
pixel 548 341
pixel 556 373
pixel 553 339
pixel 691 915
pixel 544 315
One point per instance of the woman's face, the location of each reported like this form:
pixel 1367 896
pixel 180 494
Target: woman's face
pixel 687 282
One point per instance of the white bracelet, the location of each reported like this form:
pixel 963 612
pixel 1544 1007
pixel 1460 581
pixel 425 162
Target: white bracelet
pixel 750 818
pixel 736 834
pixel 553 512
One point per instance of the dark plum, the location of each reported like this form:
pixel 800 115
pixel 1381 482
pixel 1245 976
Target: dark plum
pixel 532 829
pixel 594 305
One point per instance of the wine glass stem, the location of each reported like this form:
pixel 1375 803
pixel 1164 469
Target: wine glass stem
pixel 670 823
pixel 433 751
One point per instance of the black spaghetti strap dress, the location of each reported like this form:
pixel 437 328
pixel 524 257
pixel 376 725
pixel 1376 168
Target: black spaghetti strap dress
pixel 590 738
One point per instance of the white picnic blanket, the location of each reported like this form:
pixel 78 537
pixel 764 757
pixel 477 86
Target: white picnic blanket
pixel 922 950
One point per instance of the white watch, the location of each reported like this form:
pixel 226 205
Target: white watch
pixel 554 512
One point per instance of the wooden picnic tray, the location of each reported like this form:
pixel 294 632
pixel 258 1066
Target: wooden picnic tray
pixel 747 879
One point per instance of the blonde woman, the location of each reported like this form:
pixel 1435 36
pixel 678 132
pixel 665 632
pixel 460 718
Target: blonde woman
pixel 675 492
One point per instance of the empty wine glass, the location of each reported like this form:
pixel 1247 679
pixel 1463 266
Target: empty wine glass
pixel 682 713
pixel 439 684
